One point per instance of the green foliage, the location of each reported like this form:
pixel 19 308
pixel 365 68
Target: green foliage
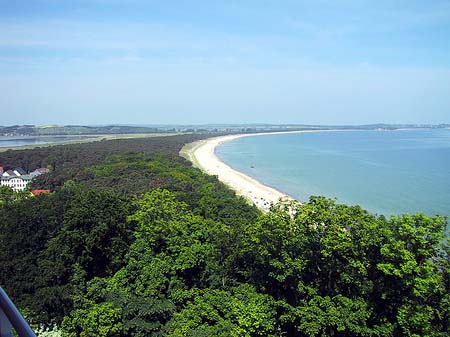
pixel 72 162
pixel 172 258
pixel 94 234
pixel 319 269
pixel 6 195
pixel 135 242
pixel 101 320
pixel 339 270
pixel 327 316
pixel 26 226
pixel 46 236
pixel 239 312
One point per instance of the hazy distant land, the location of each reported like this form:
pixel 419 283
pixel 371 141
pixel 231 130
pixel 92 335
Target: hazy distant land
pixel 53 130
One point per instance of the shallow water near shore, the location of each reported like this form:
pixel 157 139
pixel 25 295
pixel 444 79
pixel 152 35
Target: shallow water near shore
pixel 385 172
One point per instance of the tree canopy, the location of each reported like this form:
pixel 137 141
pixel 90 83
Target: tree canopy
pixel 137 242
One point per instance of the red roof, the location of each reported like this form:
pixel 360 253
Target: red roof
pixel 37 192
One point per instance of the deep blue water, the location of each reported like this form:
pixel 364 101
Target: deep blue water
pixel 386 172
pixel 22 141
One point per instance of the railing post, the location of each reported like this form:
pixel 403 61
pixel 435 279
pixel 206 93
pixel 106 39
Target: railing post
pixel 10 318
pixel 5 326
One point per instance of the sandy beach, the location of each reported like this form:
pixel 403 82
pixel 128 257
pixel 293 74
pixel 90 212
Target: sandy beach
pixel 202 155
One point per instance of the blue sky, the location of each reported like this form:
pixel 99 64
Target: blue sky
pixel 182 62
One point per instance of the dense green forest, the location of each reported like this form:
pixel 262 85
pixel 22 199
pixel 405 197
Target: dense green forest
pixel 134 241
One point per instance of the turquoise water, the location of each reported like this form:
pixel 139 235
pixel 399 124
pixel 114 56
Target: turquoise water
pixel 386 172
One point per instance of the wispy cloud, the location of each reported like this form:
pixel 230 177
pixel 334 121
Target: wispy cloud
pixel 218 61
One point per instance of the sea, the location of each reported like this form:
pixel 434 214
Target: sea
pixel 385 172
pixel 15 141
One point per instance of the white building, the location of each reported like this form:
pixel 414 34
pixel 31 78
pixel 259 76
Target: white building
pixel 18 179
pixel 17 183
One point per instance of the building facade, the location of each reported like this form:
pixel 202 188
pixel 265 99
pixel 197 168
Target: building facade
pixel 18 179
pixel 17 183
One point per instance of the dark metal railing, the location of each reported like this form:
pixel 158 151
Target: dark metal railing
pixel 10 318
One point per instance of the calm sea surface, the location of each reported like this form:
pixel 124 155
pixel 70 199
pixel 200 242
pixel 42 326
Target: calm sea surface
pixel 386 172
pixel 22 141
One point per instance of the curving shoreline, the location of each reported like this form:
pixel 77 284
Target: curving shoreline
pixel 202 155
